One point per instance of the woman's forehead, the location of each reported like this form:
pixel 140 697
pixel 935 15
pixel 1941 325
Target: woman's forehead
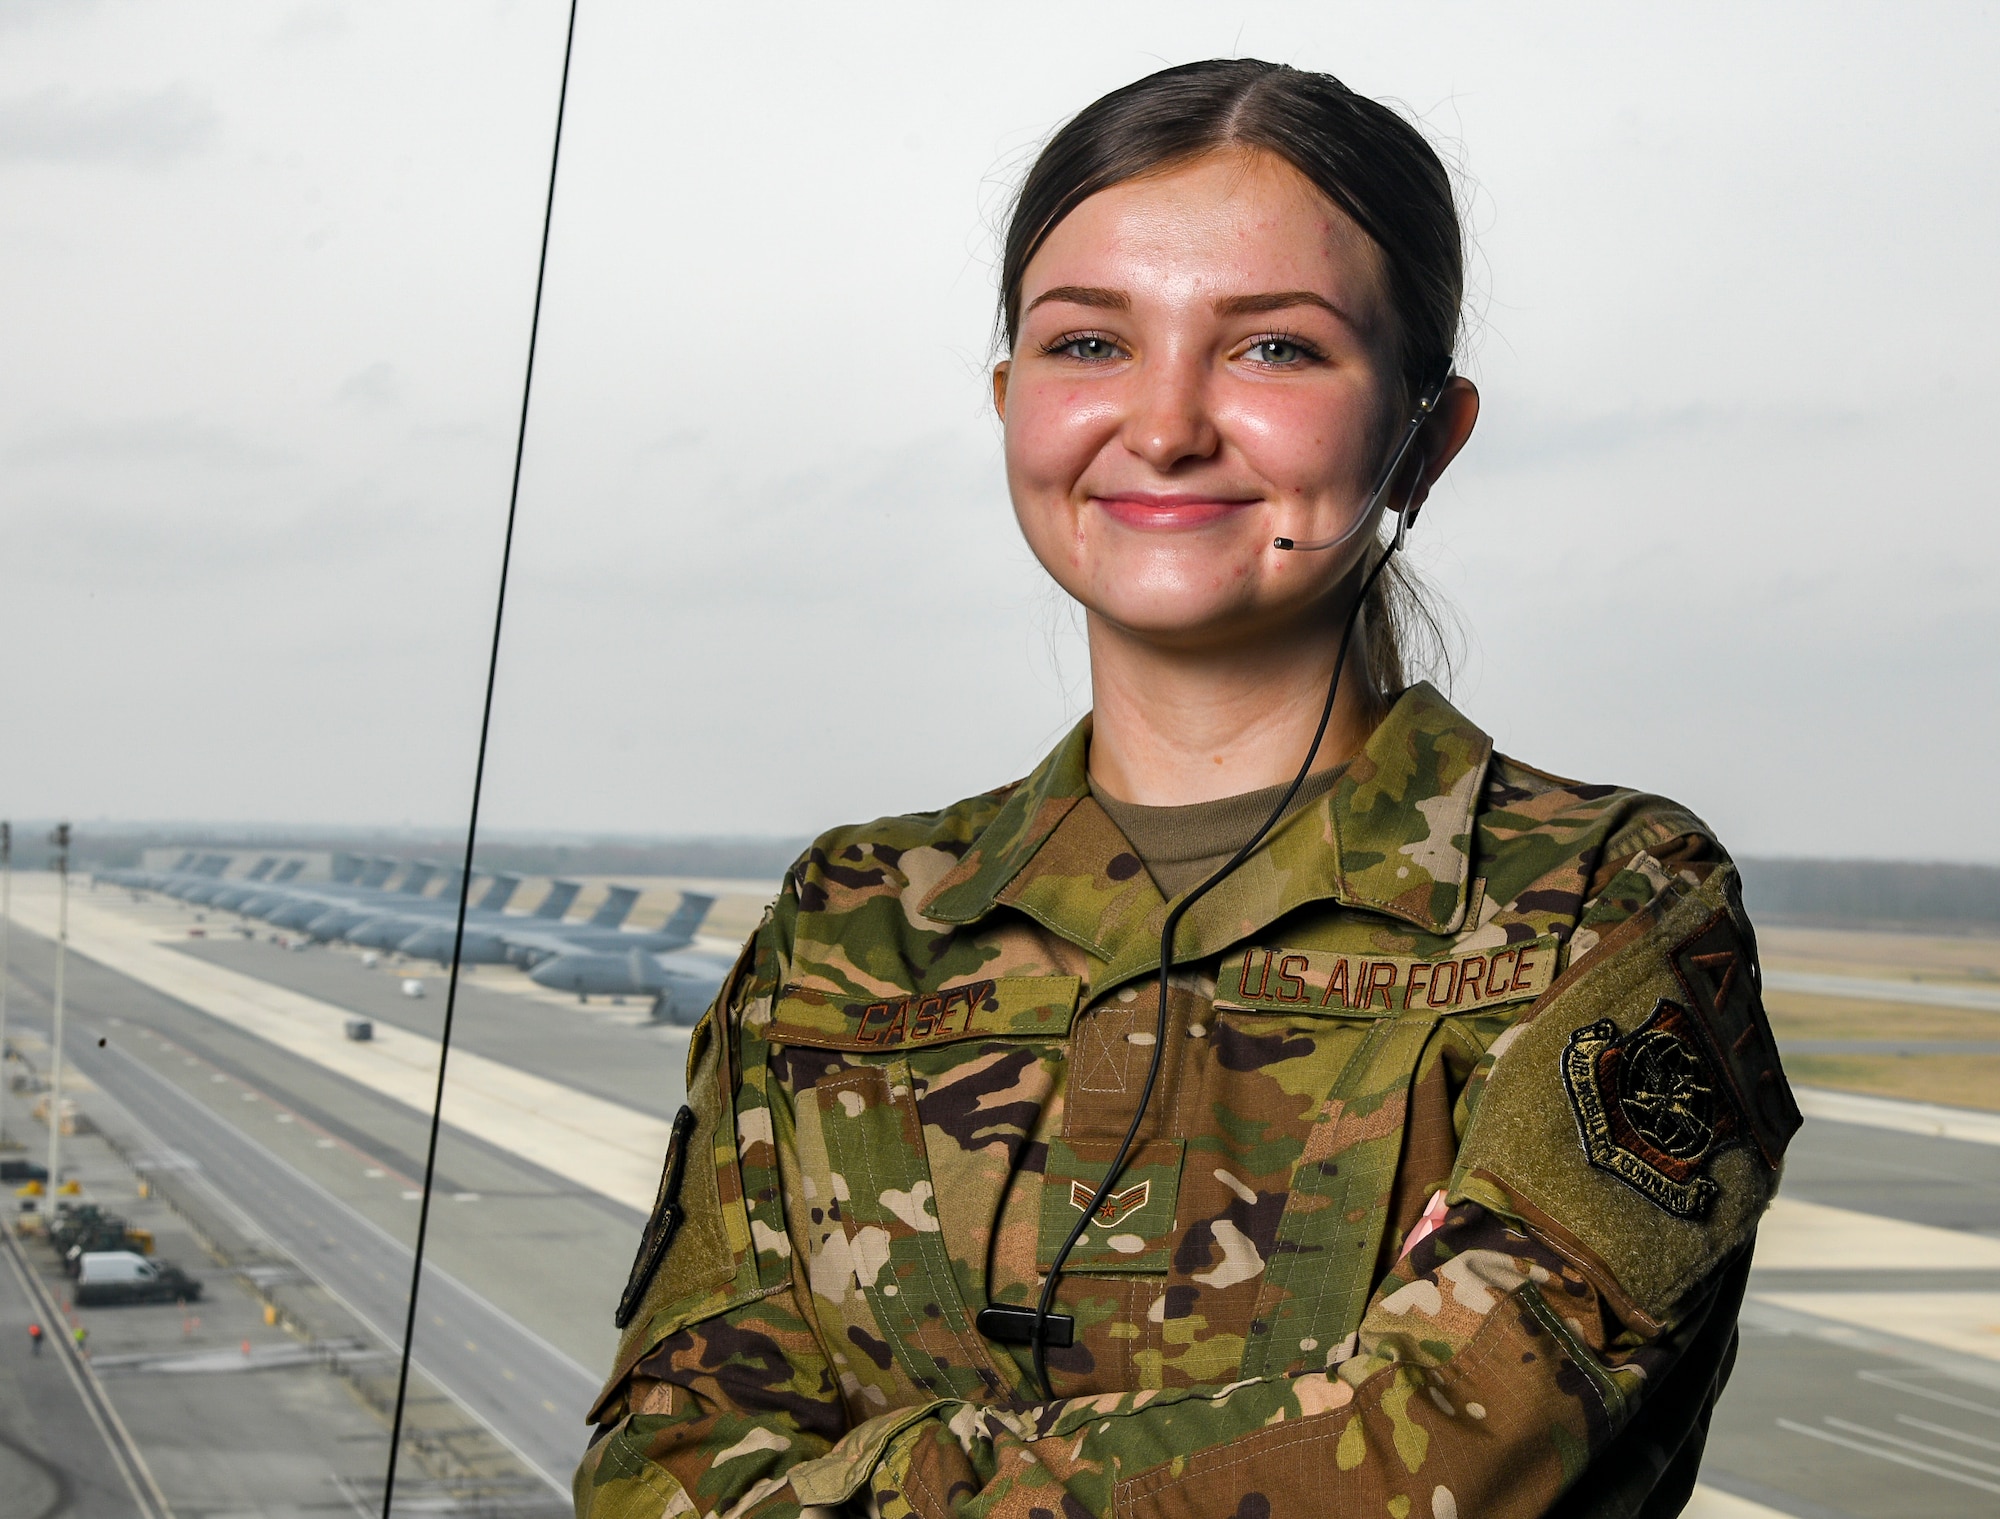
pixel 1225 225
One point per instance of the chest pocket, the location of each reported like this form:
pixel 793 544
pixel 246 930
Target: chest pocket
pixel 1320 1270
pixel 899 1235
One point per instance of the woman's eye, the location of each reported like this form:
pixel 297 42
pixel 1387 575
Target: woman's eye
pixel 1280 351
pixel 1090 348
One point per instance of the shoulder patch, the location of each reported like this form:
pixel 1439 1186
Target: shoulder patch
pixel 1669 1179
pixel 1652 1106
pixel 665 1222
pixel 1715 968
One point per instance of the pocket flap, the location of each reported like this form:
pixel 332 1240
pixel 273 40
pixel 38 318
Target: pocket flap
pixel 1135 1225
pixel 1004 1007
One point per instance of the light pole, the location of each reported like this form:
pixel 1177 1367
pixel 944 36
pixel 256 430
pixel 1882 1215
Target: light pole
pixel 60 838
pixel 6 954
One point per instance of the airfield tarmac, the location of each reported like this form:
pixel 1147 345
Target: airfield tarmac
pixel 1868 1382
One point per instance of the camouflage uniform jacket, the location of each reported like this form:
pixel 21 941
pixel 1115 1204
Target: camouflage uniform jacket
pixel 1468 1113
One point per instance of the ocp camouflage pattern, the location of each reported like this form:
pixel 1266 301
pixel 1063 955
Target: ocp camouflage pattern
pixel 1363 1260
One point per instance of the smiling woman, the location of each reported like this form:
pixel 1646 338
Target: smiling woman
pixel 1424 1180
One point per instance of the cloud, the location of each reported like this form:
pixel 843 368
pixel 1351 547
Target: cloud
pixel 146 440
pixel 375 387
pixel 150 131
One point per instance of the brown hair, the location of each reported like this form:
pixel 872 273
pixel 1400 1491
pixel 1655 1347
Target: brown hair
pixel 1362 156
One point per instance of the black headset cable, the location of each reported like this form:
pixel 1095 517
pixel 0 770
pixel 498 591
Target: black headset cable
pixel 1038 1332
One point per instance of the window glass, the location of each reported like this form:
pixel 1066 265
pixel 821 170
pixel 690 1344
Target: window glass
pixel 266 278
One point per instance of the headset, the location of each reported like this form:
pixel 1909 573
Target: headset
pixel 1038 1327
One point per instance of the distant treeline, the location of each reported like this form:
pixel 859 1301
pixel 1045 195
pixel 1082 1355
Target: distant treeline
pixel 1874 894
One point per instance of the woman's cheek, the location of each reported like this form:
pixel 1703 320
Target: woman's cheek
pixel 1302 443
pixel 1050 442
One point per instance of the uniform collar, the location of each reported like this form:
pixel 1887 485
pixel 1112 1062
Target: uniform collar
pixel 1393 836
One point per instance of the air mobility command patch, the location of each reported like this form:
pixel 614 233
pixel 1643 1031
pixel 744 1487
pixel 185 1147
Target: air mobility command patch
pixel 1344 985
pixel 1653 1106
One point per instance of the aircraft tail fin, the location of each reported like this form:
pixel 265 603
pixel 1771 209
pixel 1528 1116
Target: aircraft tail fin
pixel 215 865
pixel 183 862
pixel 346 867
pixel 615 908
pixel 417 878
pixel 556 903
pixel 498 893
pixel 262 868
pixel 688 916
pixel 454 883
pixel 287 870
pixel 379 870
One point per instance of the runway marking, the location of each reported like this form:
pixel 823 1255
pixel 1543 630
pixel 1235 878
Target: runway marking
pixel 1928 1118
pixel 254 1231
pixel 1985 999
pixel 1897 1440
pixel 1886 1379
pixel 1947 1432
pixel 1967 1323
pixel 613 1149
pixel 1889 1455
pixel 1797 1235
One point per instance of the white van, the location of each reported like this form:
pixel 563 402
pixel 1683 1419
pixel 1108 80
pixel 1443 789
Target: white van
pixel 125 1276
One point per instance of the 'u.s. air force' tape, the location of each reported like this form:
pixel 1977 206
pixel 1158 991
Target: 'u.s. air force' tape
pixel 664 1223
pixel 1339 984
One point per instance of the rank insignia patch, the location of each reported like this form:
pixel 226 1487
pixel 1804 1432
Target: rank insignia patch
pixel 1652 1106
pixel 1116 1206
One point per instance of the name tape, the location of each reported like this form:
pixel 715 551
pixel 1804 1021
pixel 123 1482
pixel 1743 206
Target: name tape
pixel 1375 986
pixel 1005 1006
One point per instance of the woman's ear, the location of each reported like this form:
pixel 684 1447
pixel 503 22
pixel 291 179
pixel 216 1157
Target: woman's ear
pixel 1000 389
pixel 1450 425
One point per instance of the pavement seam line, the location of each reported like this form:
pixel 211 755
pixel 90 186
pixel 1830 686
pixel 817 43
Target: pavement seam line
pixel 97 1403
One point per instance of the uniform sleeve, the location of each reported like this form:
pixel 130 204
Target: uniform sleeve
pixel 1576 1285
pixel 720 1385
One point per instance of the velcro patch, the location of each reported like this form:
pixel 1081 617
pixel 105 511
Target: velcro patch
pixel 1340 985
pixel 1133 1227
pixel 1004 1007
pixel 1714 967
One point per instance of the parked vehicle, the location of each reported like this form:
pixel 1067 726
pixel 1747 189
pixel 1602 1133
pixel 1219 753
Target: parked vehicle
pixel 108 1277
pixel 79 1229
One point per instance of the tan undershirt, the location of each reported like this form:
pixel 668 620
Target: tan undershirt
pixel 1182 846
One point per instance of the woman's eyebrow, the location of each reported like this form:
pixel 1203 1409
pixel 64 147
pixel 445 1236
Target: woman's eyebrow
pixel 1085 295
pixel 1279 300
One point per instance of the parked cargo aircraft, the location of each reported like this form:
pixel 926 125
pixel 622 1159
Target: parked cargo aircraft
pixel 682 983
pixel 356 908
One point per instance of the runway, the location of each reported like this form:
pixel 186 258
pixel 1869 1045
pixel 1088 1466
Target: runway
pixel 1868 1379
pixel 514 1317
pixel 1984 999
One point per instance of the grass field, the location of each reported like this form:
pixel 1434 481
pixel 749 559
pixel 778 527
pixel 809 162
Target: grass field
pixel 1970 1081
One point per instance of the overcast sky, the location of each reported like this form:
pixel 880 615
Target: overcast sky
pixel 1725 531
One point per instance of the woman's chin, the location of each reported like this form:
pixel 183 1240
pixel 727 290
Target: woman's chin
pixel 1190 620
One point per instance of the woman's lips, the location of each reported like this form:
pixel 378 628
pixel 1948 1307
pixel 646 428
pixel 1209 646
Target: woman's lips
pixel 1168 512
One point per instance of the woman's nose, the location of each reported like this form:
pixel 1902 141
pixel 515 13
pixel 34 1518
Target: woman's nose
pixel 1170 422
